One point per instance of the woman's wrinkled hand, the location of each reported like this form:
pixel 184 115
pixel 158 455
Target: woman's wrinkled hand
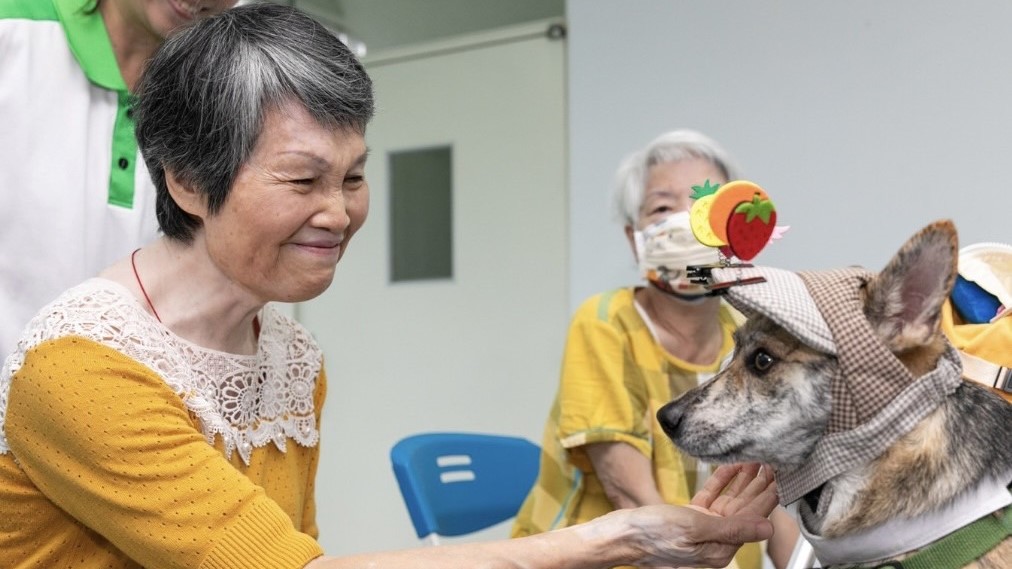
pixel 730 511
pixel 679 536
pixel 738 489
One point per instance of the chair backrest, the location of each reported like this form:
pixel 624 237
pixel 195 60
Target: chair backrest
pixel 458 483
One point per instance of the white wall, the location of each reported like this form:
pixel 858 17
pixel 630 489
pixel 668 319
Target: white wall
pixel 864 120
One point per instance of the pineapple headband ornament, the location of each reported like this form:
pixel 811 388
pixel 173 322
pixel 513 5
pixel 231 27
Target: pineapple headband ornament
pixel 738 219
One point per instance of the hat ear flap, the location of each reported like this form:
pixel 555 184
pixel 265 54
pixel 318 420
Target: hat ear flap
pixel 904 301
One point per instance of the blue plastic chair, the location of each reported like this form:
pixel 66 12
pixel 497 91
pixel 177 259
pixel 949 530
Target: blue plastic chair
pixel 458 483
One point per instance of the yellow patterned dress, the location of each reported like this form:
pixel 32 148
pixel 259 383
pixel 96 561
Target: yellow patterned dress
pixel 615 376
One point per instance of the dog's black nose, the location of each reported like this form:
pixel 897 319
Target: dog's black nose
pixel 670 417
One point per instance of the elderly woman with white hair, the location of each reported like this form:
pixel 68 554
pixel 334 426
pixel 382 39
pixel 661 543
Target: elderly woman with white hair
pixel 631 350
pixel 164 414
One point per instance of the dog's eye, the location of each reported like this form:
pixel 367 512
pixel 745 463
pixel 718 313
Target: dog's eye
pixel 762 361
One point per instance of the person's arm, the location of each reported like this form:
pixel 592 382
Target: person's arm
pixel 785 537
pixel 652 536
pixel 111 444
pixel 625 474
pixel 603 401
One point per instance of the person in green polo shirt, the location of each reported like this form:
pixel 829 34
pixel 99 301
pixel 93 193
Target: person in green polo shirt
pixel 74 193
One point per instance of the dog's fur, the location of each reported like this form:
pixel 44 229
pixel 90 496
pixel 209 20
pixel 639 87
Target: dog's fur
pixel 772 404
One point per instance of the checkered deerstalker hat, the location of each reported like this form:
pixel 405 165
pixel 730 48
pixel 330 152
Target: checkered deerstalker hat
pixel 875 398
pixel 784 299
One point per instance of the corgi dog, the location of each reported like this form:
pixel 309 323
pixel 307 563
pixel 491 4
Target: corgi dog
pixel 844 383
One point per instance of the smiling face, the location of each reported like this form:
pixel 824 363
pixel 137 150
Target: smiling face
pixel 293 208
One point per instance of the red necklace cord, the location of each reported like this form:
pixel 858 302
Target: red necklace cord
pixel 133 263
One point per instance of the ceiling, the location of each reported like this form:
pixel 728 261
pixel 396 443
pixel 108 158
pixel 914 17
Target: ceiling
pixel 384 24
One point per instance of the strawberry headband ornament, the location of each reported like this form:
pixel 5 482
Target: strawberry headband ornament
pixel 739 220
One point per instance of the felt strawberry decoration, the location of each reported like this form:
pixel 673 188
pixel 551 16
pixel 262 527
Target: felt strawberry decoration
pixel 750 226
pixel 727 198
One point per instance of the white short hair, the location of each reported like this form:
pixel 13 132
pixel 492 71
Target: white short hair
pixel 671 146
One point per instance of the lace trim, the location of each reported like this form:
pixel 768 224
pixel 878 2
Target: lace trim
pixel 248 400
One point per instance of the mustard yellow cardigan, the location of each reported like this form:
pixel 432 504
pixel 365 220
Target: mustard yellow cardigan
pixel 108 469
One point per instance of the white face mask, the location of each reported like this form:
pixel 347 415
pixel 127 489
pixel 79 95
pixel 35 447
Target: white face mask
pixel 666 248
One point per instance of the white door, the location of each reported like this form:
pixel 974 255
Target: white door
pixel 476 352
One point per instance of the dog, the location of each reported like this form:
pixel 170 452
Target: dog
pixel 844 383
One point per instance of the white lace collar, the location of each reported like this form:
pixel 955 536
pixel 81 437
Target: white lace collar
pixel 248 400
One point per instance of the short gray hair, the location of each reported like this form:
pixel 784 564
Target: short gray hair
pixel 202 99
pixel 673 146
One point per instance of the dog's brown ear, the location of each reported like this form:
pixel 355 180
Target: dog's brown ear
pixel 904 301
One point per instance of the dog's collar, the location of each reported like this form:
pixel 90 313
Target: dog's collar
pixel 958 549
pixel 933 534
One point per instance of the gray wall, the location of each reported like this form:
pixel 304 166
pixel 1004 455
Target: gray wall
pixel 864 120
